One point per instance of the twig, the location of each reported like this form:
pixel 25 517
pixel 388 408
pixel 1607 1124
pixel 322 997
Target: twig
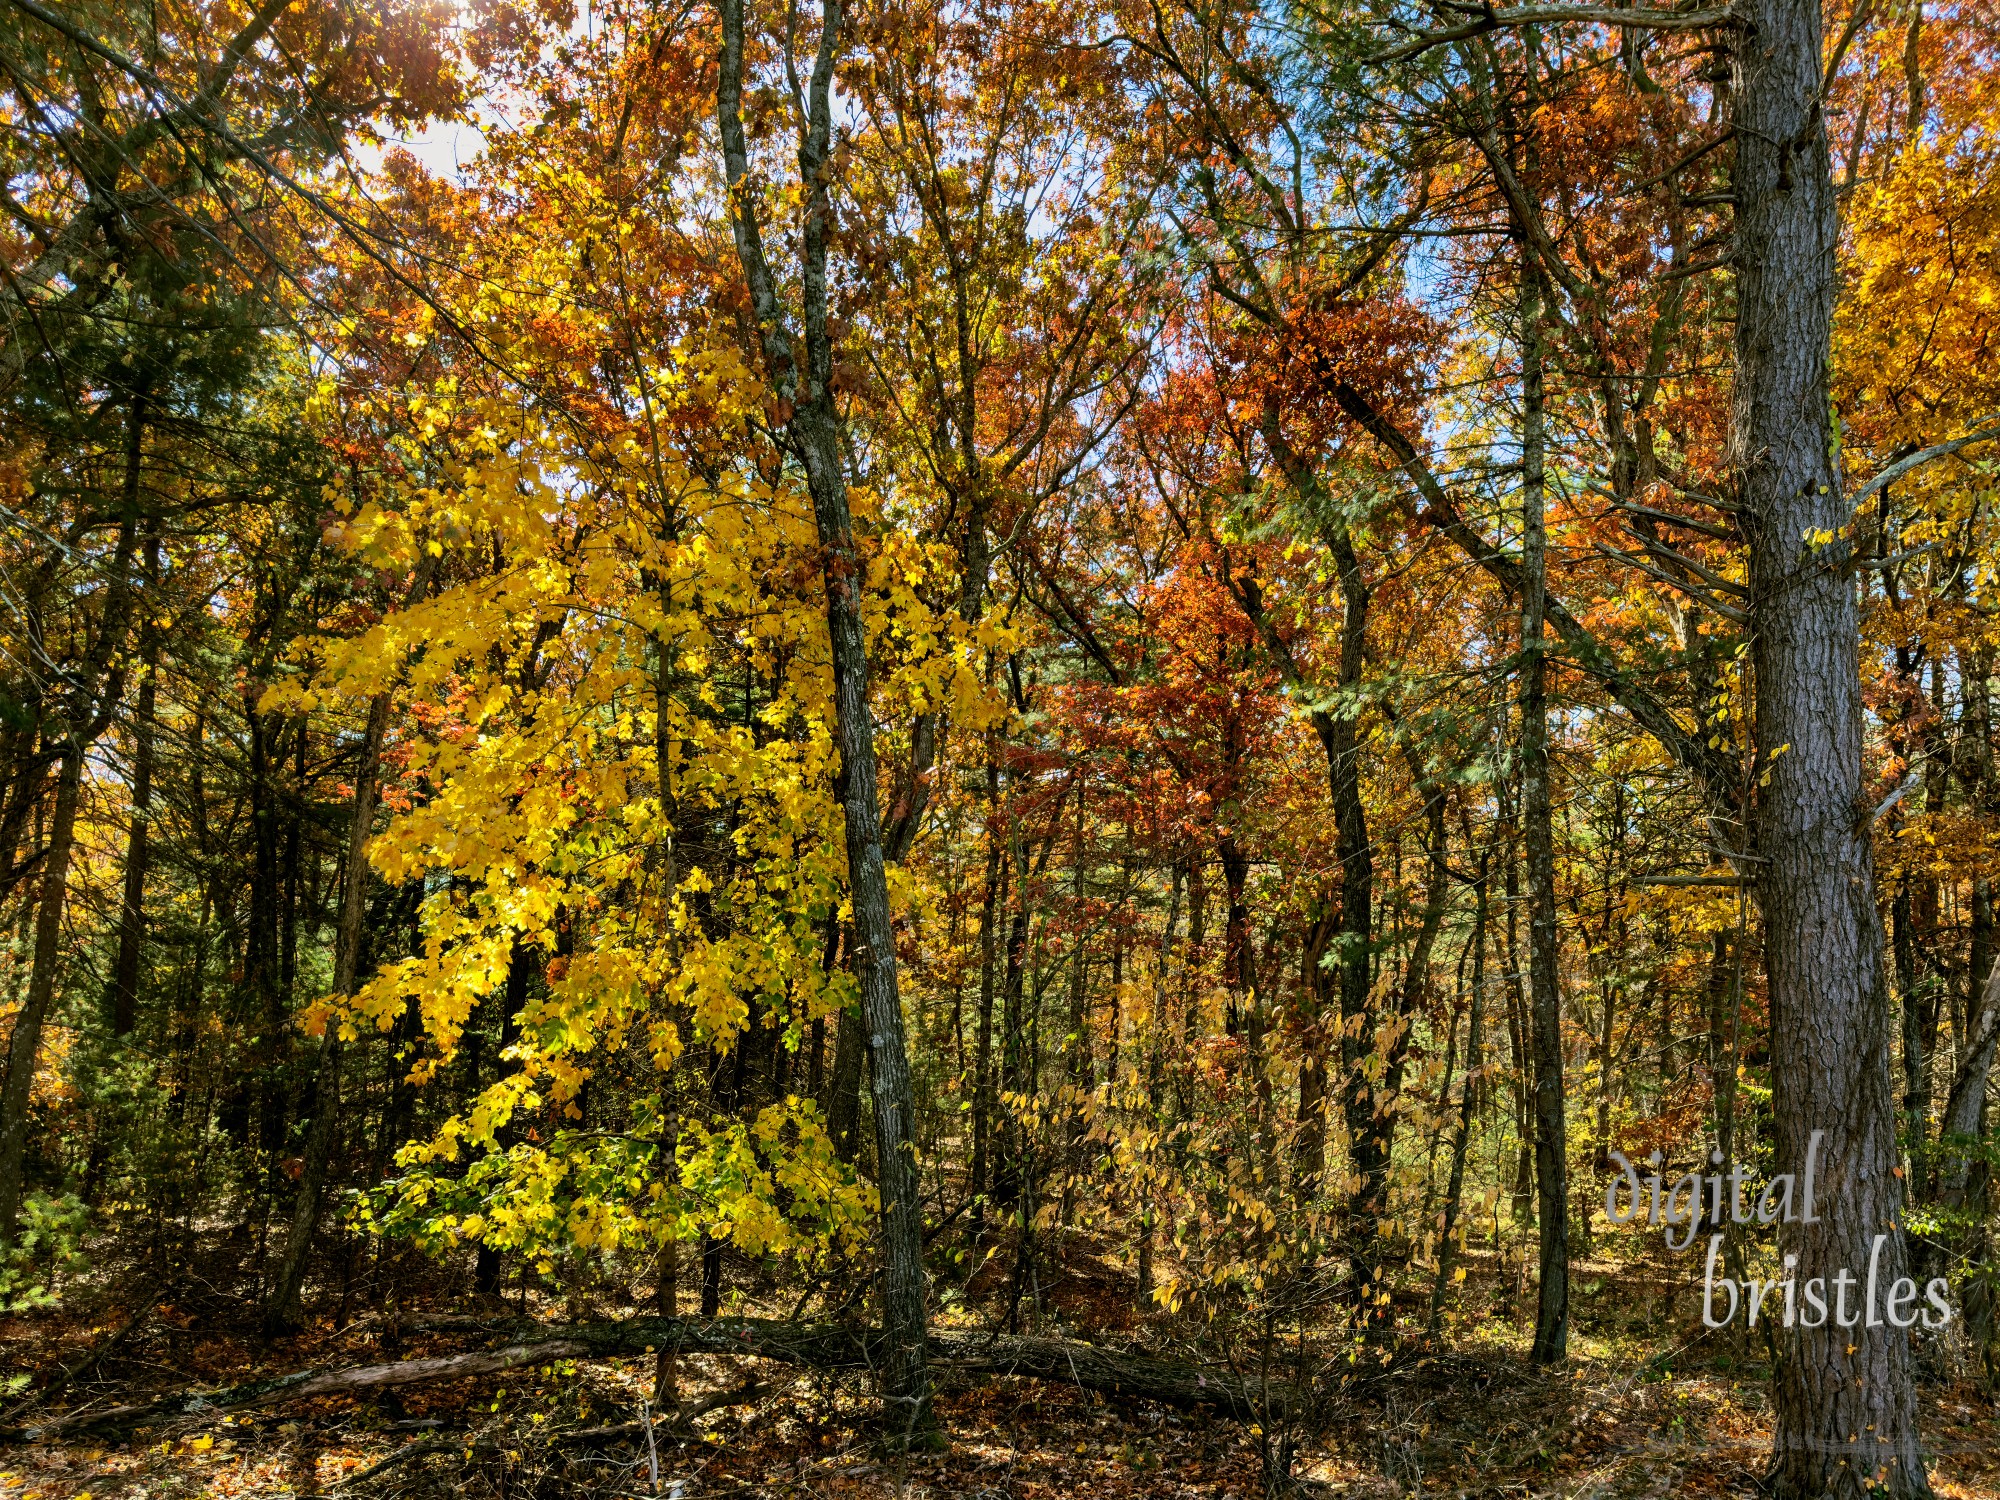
pixel 401 1455
pixel 1537 15
pixel 652 1448
pixel 92 1355
pixel 1909 784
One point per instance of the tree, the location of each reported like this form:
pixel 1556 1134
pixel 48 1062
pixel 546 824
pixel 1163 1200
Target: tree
pixel 1847 1414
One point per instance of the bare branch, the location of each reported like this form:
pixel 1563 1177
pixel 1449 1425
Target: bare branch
pixel 1546 15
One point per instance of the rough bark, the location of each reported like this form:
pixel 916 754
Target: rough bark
pixel 813 432
pixel 1156 1044
pixel 97 684
pixel 1454 1195
pixel 1844 1419
pixel 26 1041
pixel 132 903
pixel 992 902
pixel 1538 838
pixel 843 1114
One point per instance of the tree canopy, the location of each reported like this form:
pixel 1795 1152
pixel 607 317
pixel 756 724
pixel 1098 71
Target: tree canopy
pixel 1203 701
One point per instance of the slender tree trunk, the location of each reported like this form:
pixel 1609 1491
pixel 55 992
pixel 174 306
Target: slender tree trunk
pixel 138 850
pixel 288 943
pixel 1721 1063
pixel 1454 1194
pixel 1193 966
pixel 1964 1110
pixel 814 434
pixel 1845 1397
pixel 281 1307
pixel 1320 1007
pixel 97 684
pixel 1517 1008
pixel 261 955
pixel 26 1041
pixel 992 903
pixel 487 1271
pixel 1079 1065
pixel 1545 1000
pixel 1367 1101
pixel 1007 1175
pixel 1156 1044
pixel 843 1117
pixel 1120 941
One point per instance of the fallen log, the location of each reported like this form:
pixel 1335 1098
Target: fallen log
pixel 816 1346
pixel 351 1380
pixel 827 1346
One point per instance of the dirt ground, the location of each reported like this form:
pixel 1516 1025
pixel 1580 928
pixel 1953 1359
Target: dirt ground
pixel 1635 1414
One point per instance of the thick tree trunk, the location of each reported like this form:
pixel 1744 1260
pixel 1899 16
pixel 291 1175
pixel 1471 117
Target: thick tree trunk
pixel 1846 1398
pixel 1538 835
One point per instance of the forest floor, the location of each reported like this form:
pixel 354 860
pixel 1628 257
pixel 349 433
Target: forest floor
pixel 1648 1407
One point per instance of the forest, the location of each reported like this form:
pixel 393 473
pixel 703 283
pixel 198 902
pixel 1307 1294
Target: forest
pixel 1010 748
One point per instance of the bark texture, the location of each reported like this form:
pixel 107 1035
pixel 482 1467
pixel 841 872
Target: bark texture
pixel 812 428
pixel 1845 1420
pixel 1538 836
pixel 25 1042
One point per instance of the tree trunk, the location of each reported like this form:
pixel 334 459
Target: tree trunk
pixel 1523 1188
pixel 26 1042
pixel 281 1307
pixel 814 435
pixel 843 1114
pixel 1156 1044
pixel 1368 1108
pixel 1454 1193
pixel 992 903
pixel 1544 996
pixel 1007 1173
pixel 1965 1106
pixel 1844 1419
pixel 261 947
pixel 132 905
pixel 1079 1066
pixel 97 683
